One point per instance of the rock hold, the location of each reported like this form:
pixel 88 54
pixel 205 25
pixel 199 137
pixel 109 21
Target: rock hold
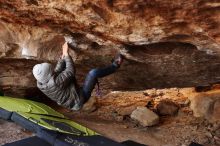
pixel 145 116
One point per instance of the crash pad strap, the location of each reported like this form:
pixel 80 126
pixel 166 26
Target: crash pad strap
pixel 61 139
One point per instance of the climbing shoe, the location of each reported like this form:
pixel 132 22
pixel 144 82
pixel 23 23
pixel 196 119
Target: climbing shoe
pixel 118 60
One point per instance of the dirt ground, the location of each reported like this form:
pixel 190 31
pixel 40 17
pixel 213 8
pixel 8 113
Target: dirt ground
pixel 109 116
pixel 178 130
pixel 10 132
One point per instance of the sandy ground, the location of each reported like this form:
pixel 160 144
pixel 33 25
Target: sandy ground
pixel 178 130
pixel 10 132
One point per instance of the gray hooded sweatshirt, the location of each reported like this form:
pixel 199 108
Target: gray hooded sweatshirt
pixel 62 86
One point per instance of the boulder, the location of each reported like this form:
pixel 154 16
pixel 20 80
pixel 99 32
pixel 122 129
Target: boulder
pixel 201 105
pixel 127 110
pixel 167 107
pixel 90 105
pixel 145 116
pixel 216 111
pixel 168 44
pixel 206 105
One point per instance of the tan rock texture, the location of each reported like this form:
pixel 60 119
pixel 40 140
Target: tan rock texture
pixel 167 107
pixel 145 116
pixel 167 43
pixel 206 105
pixel 131 21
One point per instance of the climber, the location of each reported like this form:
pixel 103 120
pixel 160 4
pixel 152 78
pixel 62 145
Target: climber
pixel 61 86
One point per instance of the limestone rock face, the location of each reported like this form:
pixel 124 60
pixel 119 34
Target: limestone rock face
pixel 135 22
pixel 166 43
pixel 145 116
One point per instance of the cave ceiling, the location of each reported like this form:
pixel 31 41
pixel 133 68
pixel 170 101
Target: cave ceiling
pixel 166 43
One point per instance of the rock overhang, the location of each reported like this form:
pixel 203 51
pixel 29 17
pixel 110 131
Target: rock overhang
pixel 167 43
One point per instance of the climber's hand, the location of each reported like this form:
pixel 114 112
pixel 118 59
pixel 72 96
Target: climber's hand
pixel 65 50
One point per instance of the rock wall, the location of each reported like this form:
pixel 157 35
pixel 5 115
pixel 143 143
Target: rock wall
pixel 166 43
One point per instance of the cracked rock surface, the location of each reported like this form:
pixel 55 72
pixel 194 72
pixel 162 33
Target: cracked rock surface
pixel 168 43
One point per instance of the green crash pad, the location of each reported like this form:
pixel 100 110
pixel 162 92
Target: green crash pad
pixel 44 116
pixel 27 106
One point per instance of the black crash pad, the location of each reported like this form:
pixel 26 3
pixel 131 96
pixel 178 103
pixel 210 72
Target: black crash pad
pixel 31 141
pixel 61 139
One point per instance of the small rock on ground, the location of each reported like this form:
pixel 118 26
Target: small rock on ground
pixel 127 110
pixel 167 107
pixel 145 116
pixel 206 105
pixel 90 105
